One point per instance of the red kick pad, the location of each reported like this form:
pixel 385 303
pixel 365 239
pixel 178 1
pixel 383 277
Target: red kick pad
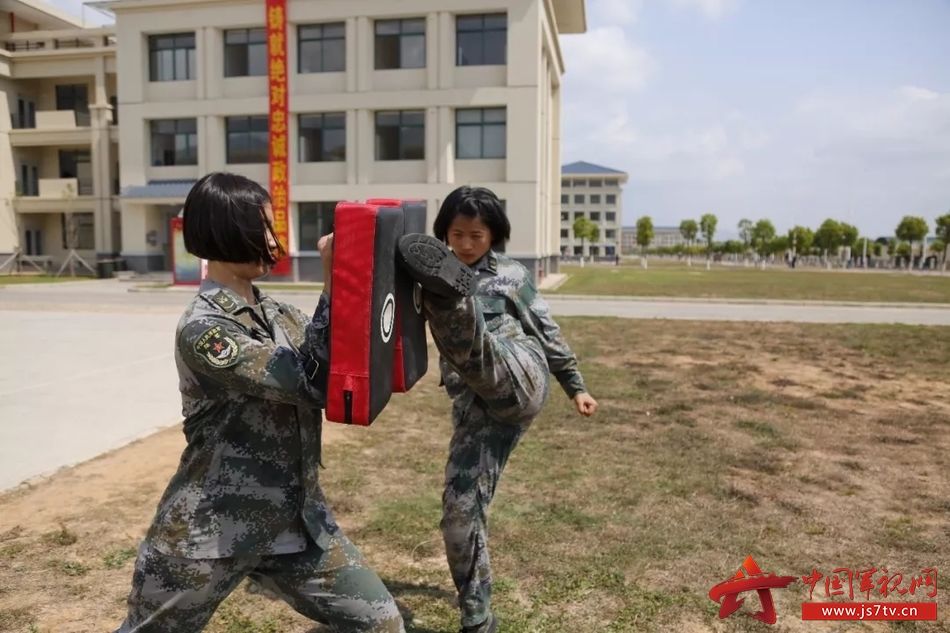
pixel 411 356
pixel 362 311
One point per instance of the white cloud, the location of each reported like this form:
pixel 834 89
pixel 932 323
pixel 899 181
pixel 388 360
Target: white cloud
pixel 614 12
pixel 605 61
pixel 714 9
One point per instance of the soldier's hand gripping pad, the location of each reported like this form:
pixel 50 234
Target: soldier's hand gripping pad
pixel 411 356
pixel 362 311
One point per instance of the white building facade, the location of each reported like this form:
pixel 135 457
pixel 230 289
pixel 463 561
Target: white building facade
pixel 407 99
pixel 596 193
pixel 58 138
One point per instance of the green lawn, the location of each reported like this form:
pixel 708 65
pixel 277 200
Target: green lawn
pixel 12 280
pixel 751 283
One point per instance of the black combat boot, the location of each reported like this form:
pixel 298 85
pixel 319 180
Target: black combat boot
pixel 435 267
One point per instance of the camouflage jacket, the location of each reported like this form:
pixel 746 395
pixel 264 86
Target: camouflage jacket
pixel 506 287
pixel 247 480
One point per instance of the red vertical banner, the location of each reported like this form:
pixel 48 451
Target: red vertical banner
pixel 279 161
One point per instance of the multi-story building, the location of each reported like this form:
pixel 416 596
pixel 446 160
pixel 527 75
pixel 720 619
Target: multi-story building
pixel 58 138
pixel 663 237
pixel 386 99
pixel 593 192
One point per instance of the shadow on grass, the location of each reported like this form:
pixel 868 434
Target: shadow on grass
pixel 402 590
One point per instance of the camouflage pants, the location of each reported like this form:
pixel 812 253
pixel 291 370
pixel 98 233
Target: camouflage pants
pixel 336 587
pixel 505 378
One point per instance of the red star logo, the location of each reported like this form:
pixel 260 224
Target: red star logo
pixel 218 347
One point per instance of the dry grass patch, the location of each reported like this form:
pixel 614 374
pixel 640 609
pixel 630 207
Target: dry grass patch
pixel 806 446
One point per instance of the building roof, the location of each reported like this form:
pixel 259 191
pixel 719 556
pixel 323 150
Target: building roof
pixel 164 189
pixel 46 16
pixel 582 167
pixel 570 15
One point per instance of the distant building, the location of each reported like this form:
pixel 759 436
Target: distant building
pixel 663 236
pixel 594 192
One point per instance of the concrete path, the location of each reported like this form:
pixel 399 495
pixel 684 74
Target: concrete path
pixel 88 366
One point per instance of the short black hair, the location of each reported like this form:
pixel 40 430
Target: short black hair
pixel 224 220
pixel 474 202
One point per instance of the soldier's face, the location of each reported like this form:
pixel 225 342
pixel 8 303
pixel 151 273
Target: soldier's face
pixel 470 238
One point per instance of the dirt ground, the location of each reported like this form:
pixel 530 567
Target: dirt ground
pixel 808 447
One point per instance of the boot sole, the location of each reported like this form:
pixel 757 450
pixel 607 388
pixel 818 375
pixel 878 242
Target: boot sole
pixel 435 268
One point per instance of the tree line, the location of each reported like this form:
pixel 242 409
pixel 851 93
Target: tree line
pixel 829 239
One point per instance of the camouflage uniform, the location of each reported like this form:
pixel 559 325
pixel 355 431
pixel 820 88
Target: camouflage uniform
pixel 496 351
pixel 246 501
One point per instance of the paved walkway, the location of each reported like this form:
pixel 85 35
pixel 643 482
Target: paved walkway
pixel 88 366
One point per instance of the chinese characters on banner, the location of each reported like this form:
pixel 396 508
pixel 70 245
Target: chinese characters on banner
pixel 277 79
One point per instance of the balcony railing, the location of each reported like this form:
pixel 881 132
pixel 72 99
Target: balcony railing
pixel 51 120
pixel 59 40
pixel 55 188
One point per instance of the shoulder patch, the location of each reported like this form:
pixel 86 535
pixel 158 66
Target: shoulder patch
pixel 224 301
pixel 217 348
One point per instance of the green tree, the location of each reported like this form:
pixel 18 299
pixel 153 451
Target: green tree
pixel 913 229
pixel 943 234
pixel 689 229
pixel 849 234
pixel 707 224
pixel 828 237
pixel 801 238
pixel 584 229
pixel 745 232
pixel 644 234
pixel 762 235
pixel 864 246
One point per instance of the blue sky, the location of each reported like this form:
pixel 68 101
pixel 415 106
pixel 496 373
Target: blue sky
pixel 792 110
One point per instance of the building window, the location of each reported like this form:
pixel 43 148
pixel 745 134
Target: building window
pixel 74 97
pixel 174 142
pixel 171 57
pixel 314 220
pixel 245 53
pixel 322 137
pixel 594 251
pixel 565 199
pixel 579 182
pixel 579 199
pixel 80 232
pixel 481 40
pixel 247 139
pixel 595 216
pixel 578 250
pixel 578 214
pixel 114 103
pixel 480 133
pixel 610 251
pixel 565 216
pixel 563 234
pixel 611 198
pixel 595 198
pixel 401 135
pixel 321 48
pixel 611 216
pixel 595 183
pixel 400 44
pixel 611 182
pixel 565 183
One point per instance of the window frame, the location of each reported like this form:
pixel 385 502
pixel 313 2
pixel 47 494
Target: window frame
pixel 324 155
pixel 483 126
pixel 483 31
pixel 324 41
pixel 251 119
pixel 400 35
pixel 260 39
pixel 402 128
pixel 190 148
pixel 190 53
